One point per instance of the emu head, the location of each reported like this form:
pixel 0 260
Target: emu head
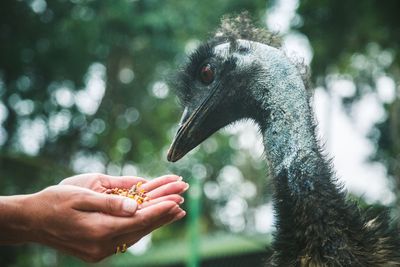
pixel 226 79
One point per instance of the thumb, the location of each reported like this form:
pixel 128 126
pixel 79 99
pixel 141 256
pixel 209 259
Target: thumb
pixel 110 204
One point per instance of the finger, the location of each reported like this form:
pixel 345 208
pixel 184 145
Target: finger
pixel 122 181
pixel 157 182
pixel 175 198
pixel 132 237
pixel 107 203
pixel 168 189
pixel 142 218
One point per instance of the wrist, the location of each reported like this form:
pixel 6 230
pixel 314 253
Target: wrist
pixel 15 220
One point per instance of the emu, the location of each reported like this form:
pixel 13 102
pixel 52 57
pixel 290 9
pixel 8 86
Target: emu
pixel 241 73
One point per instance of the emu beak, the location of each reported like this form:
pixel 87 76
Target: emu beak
pixel 189 135
pixel 194 128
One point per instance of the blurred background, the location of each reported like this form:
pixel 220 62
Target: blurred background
pixel 83 89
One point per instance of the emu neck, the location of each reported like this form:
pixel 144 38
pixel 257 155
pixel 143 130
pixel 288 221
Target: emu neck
pixel 288 131
pixel 288 139
pixel 304 194
pixel 292 150
pixel 299 170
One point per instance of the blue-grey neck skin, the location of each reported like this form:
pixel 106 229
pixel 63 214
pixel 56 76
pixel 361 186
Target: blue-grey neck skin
pixel 288 130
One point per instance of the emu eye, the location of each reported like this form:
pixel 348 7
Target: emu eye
pixel 206 74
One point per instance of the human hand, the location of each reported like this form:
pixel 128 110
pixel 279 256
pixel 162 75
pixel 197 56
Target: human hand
pixel 79 220
pixel 167 187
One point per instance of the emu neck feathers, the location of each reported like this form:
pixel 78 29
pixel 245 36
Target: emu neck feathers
pixel 301 174
pixel 305 192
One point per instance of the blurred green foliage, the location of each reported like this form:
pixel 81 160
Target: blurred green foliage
pixel 83 88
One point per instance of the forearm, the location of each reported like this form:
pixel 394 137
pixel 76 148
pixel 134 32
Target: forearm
pixel 15 226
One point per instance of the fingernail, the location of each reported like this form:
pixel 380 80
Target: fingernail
pixel 185 188
pixel 180 178
pixel 181 201
pixel 180 215
pixel 129 205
